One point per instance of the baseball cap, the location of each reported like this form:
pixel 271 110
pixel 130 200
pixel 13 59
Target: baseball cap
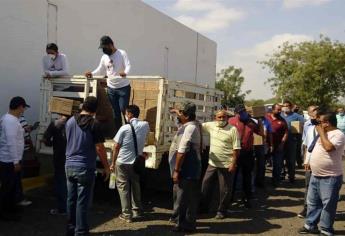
pixel 105 40
pixel 239 108
pixel 188 108
pixel 18 101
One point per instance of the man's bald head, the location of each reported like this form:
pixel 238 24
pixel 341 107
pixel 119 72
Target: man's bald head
pixel 312 110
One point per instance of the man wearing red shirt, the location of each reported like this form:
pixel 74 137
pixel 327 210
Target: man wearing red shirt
pixel 245 127
pixel 279 137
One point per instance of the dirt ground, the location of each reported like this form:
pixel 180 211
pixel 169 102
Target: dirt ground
pixel 274 212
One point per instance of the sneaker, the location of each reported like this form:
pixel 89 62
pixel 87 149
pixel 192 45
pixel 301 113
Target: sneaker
pixel 57 212
pixel 126 218
pixel 173 220
pixel 304 230
pixel 220 216
pixel 303 213
pixel 24 203
pixel 137 215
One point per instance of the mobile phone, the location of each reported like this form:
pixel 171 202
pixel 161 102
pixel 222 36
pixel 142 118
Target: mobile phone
pixel 35 125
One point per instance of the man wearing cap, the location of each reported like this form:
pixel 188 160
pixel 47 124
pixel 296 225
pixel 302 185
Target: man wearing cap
pixel 225 145
pixel 54 63
pixel 245 127
pixel 11 152
pixel 115 65
pixel 185 167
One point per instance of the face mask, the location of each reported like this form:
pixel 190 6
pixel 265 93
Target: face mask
pixel 244 116
pixel 314 121
pixel 107 51
pixel 286 110
pixel 341 113
pixel 276 114
pixel 52 56
pixel 221 123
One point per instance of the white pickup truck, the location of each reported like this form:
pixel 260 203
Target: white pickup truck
pixel 153 94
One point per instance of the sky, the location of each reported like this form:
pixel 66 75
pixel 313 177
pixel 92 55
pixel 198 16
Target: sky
pixel 247 31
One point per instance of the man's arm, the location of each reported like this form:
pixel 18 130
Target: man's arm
pixel 63 71
pixel 127 63
pixel 116 150
pixel 98 71
pixel 326 144
pixel 183 146
pixel 12 131
pixel 48 134
pixel 102 154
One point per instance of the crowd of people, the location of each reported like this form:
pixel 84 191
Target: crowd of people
pixel 233 157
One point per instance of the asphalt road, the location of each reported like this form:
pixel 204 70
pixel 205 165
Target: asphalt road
pixel 274 212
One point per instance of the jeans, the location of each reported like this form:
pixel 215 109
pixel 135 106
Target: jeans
pixel 290 155
pixel 245 163
pixel 119 100
pixel 8 188
pixel 322 200
pixel 60 188
pixel 128 186
pixel 19 187
pixel 260 165
pixel 225 187
pixel 186 203
pixel 79 183
pixel 277 159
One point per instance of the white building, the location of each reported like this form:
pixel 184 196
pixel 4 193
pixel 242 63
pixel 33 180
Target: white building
pixel 156 44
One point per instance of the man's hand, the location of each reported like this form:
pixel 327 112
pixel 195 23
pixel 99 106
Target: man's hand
pixel 176 177
pixel 306 167
pixel 232 168
pixel 106 174
pixel 122 74
pixel 47 75
pixel 17 167
pixel 88 74
pixel 145 155
pixel 112 167
pixel 319 129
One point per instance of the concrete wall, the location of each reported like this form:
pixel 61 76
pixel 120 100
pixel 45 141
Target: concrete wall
pixel 156 44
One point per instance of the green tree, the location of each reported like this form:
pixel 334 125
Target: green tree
pixel 230 81
pixel 311 72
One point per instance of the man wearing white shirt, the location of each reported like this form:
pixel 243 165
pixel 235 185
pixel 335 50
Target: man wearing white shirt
pixel 124 155
pixel 309 134
pixel 11 152
pixel 54 63
pixel 115 65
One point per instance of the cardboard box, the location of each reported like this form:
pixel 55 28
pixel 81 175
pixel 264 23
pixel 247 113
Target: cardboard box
pixel 150 104
pixel 150 139
pixel 151 94
pixel 296 127
pixel 151 85
pixel 138 84
pixel 140 103
pixel 258 140
pixel 63 106
pixel 259 111
pixel 139 94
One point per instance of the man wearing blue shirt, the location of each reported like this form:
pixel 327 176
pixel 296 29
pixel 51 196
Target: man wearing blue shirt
pixel 292 141
pixel 84 143
pixel 124 155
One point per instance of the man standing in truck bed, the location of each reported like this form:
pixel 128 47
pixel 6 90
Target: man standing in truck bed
pixel 115 64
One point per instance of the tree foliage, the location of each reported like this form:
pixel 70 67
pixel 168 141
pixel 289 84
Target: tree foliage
pixel 311 72
pixel 230 81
